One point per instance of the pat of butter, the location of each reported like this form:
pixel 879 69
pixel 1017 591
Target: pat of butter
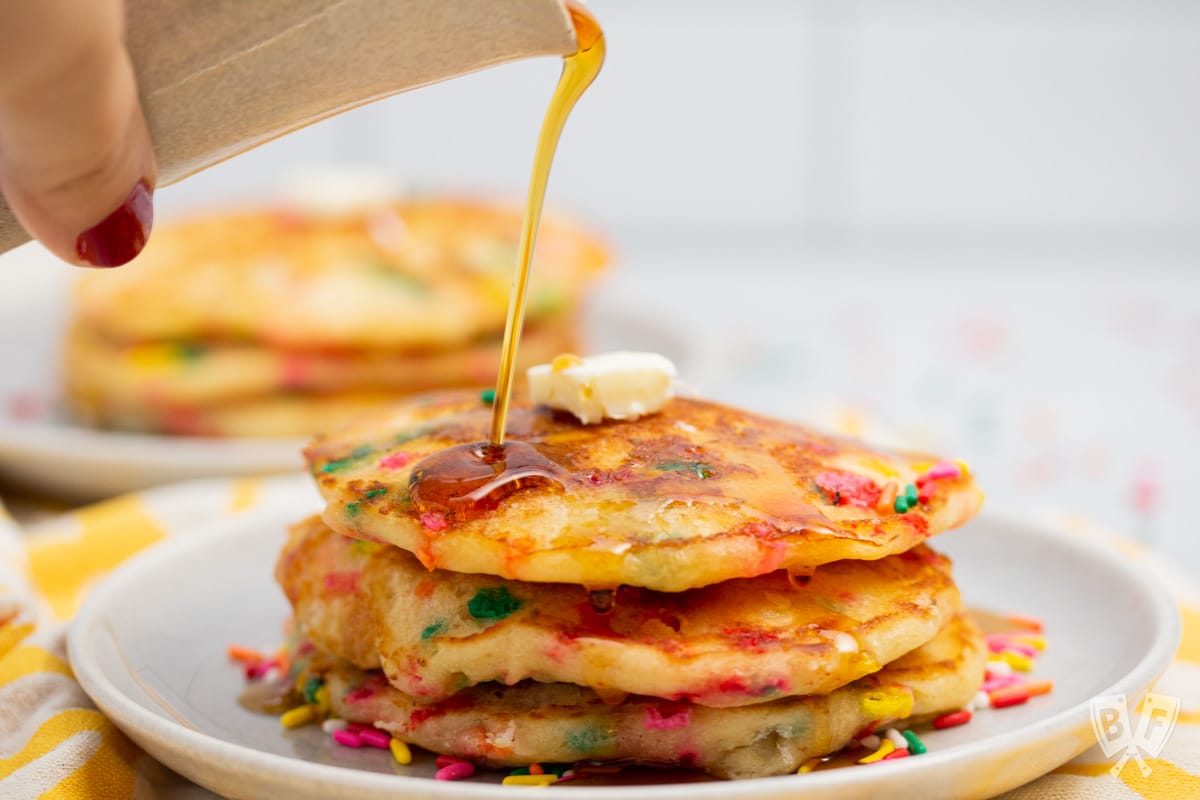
pixel 620 385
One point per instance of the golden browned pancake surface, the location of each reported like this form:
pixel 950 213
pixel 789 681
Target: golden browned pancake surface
pixel 556 723
pixel 693 495
pixel 739 642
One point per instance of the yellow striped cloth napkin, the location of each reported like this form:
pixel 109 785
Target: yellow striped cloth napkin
pixel 55 745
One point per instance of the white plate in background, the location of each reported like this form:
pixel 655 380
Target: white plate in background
pixel 159 671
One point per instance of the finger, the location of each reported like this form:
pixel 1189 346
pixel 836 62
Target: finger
pixel 76 162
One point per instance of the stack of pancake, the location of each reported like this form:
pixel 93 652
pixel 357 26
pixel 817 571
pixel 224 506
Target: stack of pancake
pixel 279 323
pixel 701 586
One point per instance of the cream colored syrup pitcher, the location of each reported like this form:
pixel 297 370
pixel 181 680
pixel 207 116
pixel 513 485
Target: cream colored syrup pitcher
pixel 219 77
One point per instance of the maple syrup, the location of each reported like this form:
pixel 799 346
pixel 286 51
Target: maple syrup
pixel 467 480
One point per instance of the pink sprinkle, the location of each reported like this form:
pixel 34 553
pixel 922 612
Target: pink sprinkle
pixel 939 471
pixel 456 771
pixel 655 721
pixel 432 521
pixel 395 461
pixel 347 739
pixel 848 488
pixel 296 371
pixel 375 738
pixel 1002 645
pixel 999 682
pixel 341 582
pixel 445 761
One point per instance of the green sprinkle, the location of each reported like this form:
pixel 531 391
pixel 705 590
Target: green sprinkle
pixel 310 688
pixel 433 630
pixel 910 494
pixel 698 468
pixel 915 745
pixel 901 504
pixel 488 396
pixel 587 740
pixel 389 273
pixel 375 493
pixel 190 352
pixel 519 771
pixel 357 454
pixel 493 603
pixel 352 509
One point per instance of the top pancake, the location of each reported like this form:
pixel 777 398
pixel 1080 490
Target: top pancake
pixel 696 494
pixel 430 274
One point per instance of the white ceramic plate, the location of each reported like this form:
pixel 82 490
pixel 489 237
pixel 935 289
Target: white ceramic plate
pixel 149 647
pixel 41 449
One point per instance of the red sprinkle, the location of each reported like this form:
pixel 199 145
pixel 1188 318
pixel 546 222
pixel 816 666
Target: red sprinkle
pixel 456 771
pixel 892 756
pixel 445 761
pixel 395 461
pixel 953 719
pixel 347 739
pixel 537 769
pixel 1009 696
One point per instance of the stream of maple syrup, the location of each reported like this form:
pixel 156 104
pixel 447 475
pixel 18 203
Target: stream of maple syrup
pixel 470 479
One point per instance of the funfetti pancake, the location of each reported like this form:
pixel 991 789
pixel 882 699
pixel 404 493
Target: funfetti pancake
pixel 695 494
pixel 246 389
pixel 736 643
pixel 533 722
pixel 421 274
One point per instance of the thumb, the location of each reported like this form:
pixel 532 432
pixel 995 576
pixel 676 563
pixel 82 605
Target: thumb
pixel 76 162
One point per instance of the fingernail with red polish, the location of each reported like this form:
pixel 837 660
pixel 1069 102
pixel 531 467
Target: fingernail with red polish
pixel 120 236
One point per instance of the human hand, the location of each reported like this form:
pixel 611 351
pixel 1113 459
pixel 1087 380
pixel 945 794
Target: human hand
pixel 76 163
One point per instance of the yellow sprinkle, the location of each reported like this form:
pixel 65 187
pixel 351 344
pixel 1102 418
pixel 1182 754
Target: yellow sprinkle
pixel 152 356
pixel 808 766
pixel 1018 661
pixel 884 704
pixel 529 780
pixel 321 695
pixel 966 470
pixel 301 715
pixel 565 361
pixel 1034 640
pixel 885 747
pixel 400 751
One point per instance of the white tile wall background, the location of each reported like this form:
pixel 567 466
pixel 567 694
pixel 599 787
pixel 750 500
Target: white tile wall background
pixel 1031 124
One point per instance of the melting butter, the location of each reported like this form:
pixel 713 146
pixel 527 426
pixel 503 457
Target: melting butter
pixel 618 385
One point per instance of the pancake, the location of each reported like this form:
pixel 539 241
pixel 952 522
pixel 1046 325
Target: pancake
pixel 429 274
pixel 505 726
pixel 694 495
pixel 251 390
pixel 737 643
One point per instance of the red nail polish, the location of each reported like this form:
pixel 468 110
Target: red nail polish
pixel 120 236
